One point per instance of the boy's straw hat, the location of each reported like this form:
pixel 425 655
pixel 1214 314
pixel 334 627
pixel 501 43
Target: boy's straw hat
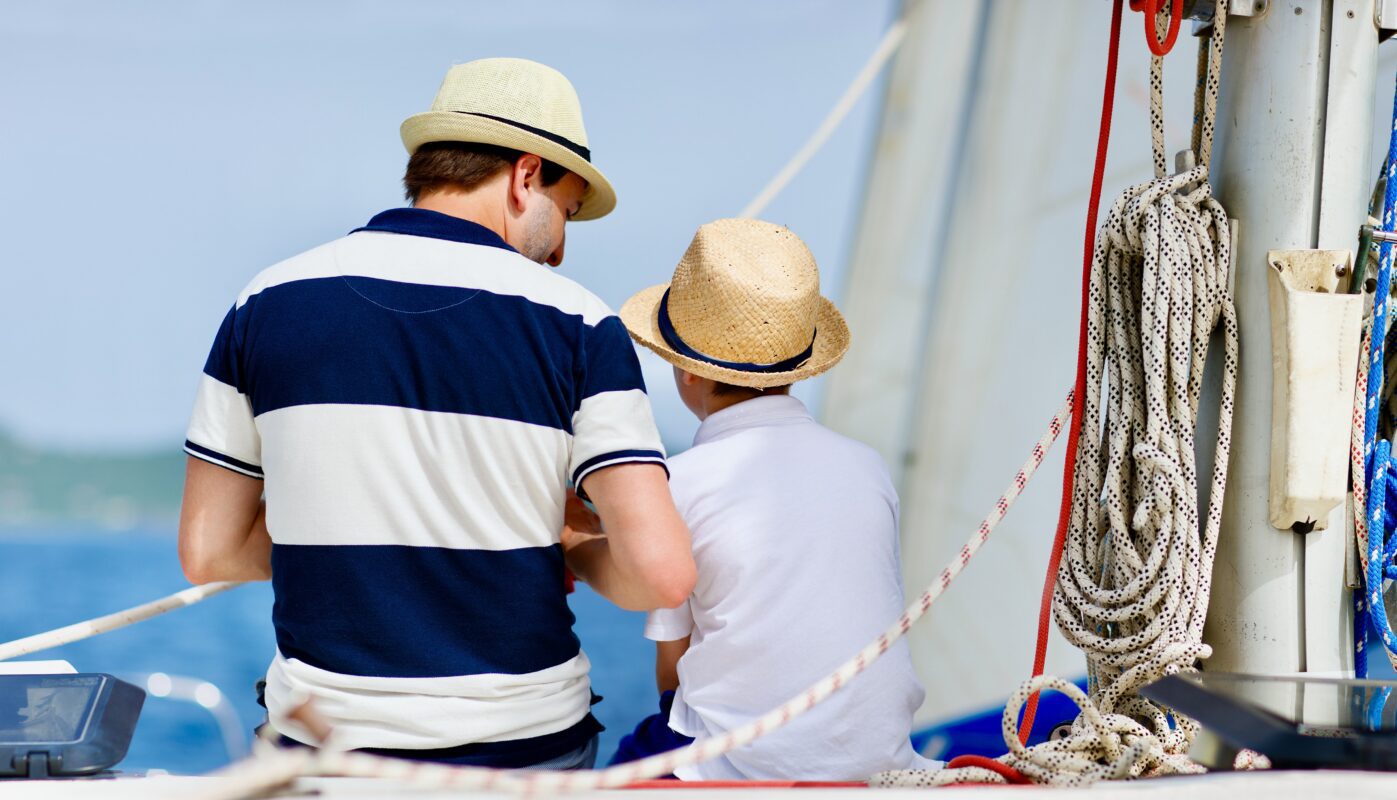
pixel 519 104
pixel 744 308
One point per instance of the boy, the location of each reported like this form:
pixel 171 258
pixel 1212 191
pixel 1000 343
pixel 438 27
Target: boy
pixel 794 527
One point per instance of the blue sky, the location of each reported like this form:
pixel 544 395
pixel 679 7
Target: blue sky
pixel 158 154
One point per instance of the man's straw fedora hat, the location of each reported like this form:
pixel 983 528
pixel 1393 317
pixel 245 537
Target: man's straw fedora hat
pixel 744 308
pixel 519 104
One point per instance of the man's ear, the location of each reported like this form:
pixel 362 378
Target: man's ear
pixel 688 378
pixel 522 179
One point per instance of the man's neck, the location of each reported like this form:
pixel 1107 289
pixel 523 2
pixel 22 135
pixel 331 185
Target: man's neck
pixel 478 207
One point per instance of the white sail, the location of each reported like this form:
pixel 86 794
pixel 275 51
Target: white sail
pixel 963 299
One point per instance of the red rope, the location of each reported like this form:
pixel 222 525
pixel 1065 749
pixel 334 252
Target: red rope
pixel 1103 140
pixel 1004 771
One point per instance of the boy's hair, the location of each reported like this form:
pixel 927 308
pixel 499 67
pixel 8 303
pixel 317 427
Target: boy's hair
pixel 721 389
pixel 464 166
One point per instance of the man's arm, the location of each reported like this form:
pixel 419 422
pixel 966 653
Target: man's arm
pixel 667 655
pixel 643 561
pixel 222 526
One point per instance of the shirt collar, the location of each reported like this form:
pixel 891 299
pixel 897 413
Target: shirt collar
pixel 772 409
pixel 434 225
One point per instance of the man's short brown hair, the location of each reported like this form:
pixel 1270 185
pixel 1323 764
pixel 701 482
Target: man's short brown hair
pixel 721 389
pixel 463 166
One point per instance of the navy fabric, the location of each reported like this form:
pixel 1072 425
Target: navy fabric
pixel 608 356
pixel 224 364
pixel 634 455
pixel 367 341
pixel 395 611
pixel 435 225
pixel 651 736
pixel 572 744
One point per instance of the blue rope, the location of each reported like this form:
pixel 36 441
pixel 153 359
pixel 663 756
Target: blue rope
pixel 1360 635
pixel 1376 706
pixel 1379 473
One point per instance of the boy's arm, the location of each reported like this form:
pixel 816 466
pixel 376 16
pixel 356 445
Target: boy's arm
pixel 223 526
pixel 667 655
pixel 642 561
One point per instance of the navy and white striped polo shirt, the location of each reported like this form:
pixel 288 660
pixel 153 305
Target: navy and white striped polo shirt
pixel 417 396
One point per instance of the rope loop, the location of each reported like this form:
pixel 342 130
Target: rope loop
pixel 1160 47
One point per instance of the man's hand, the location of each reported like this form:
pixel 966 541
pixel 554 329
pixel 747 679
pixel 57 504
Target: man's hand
pixel 580 524
pixel 222 526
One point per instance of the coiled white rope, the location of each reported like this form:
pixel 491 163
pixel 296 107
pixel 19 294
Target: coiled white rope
pixel 1132 592
pixel 269 770
pixel 111 622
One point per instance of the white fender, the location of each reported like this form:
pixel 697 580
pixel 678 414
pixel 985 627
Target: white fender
pixel 1315 328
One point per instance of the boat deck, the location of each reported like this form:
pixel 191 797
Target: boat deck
pixel 1275 785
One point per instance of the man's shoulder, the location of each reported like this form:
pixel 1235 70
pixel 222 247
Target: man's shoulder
pixel 505 272
pixel 571 296
pixel 414 259
pixel 317 262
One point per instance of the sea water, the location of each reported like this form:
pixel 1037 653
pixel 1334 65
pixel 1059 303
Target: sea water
pixel 55 577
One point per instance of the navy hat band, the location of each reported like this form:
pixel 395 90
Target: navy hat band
pixel 672 338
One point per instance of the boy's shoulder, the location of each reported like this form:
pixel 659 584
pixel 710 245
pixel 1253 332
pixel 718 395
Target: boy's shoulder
pixel 851 454
pixel 693 461
pixel 697 472
pixel 707 466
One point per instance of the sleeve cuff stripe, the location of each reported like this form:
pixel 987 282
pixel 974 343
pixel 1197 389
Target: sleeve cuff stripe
pixel 617 457
pixel 619 388
pixel 228 462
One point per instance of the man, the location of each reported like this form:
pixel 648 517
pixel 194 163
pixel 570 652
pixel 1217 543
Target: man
pixel 794 526
pixel 386 427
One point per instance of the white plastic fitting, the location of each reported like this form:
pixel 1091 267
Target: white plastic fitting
pixel 1315 327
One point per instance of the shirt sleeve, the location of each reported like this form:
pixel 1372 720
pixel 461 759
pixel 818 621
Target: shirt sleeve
pixel 668 624
pixel 613 423
pixel 221 429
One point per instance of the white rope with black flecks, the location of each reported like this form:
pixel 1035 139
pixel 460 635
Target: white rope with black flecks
pixel 271 768
pixel 1132 591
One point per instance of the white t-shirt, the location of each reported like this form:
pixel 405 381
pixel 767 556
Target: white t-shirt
pixel 795 536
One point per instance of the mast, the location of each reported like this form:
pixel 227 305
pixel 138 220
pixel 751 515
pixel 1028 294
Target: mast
pixel 1293 169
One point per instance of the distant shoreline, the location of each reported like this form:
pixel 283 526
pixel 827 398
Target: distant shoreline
pixel 47 488
pixel 75 528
